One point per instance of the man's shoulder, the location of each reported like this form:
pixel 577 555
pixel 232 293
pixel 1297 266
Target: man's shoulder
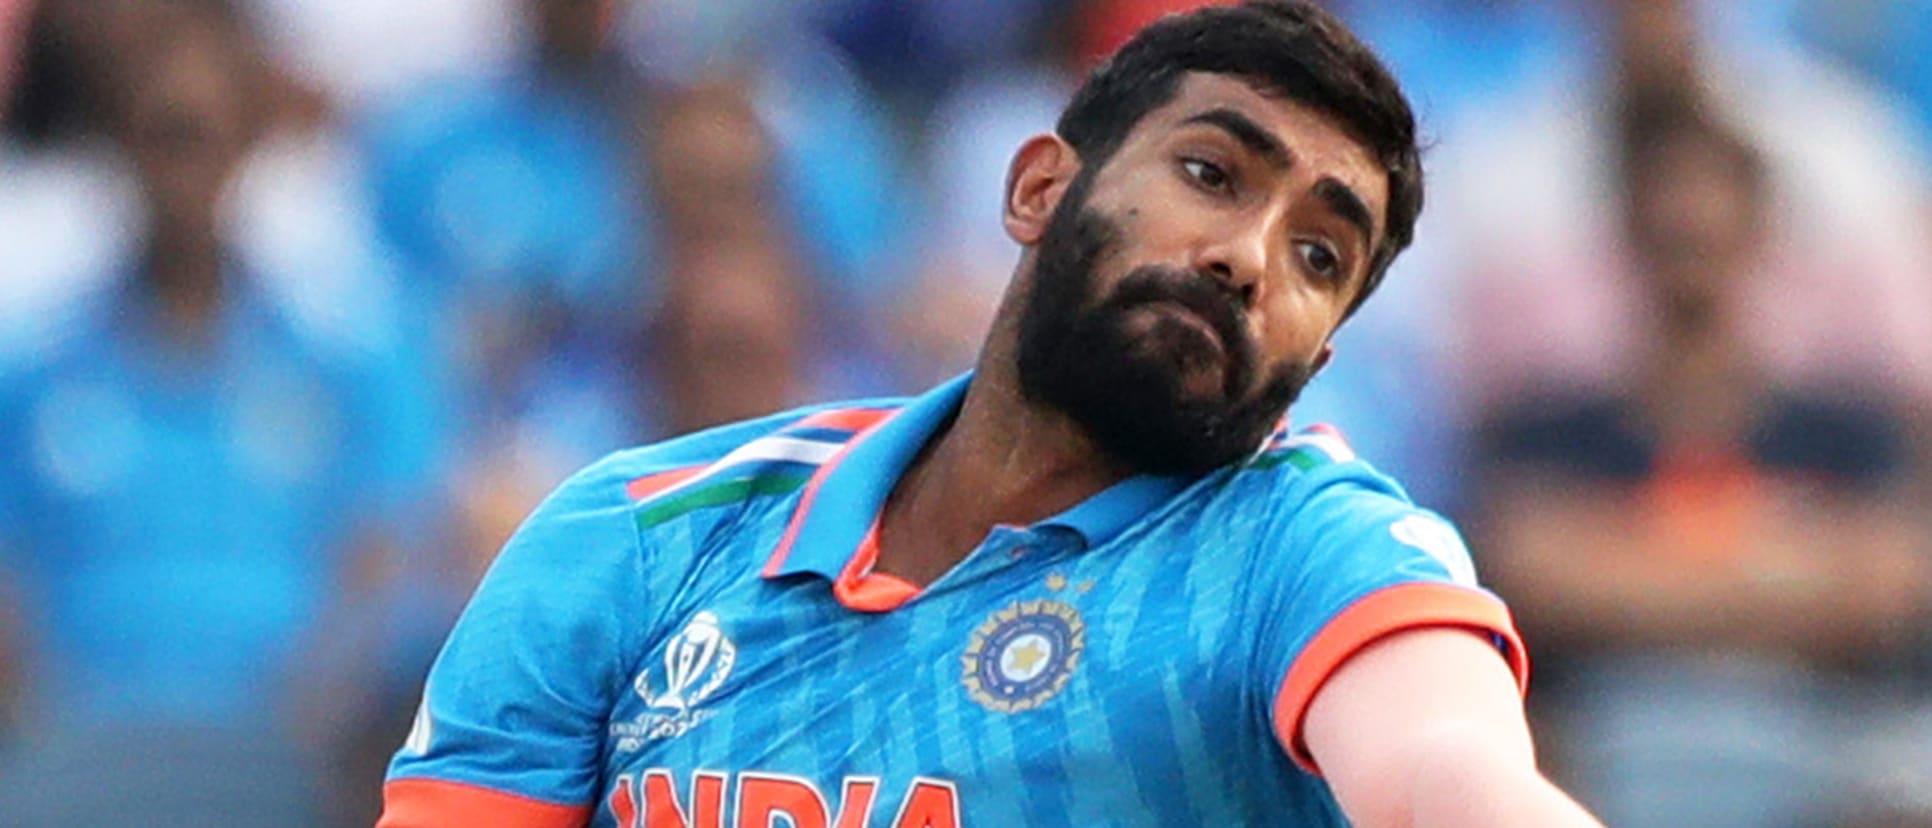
pixel 1323 509
pixel 770 455
pixel 1308 490
pixel 1311 469
pixel 663 499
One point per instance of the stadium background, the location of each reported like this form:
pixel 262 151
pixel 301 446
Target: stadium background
pixel 303 303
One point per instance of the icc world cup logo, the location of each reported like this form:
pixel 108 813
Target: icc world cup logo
pixel 696 662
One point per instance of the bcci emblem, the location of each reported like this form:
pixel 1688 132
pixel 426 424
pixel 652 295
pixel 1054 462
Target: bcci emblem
pixel 1024 655
pixel 696 662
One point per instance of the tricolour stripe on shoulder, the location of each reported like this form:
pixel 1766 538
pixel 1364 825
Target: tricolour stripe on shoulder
pixel 778 463
pixel 764 450
pixel 652 484
pixel 849 420
pixel 1317 445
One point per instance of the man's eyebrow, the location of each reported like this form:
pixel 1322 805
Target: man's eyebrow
pixel 1249 133
pixel 1347 204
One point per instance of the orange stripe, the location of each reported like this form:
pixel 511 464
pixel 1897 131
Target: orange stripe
pixel 1329 429
pixel 859 588
pixel 811 491
pixel 875 593
pixel 435 803
pixel 804 506
pixel 651 484
pixel 849 419
pixel 1387 610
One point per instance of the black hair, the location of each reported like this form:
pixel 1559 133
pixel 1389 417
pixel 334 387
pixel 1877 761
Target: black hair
pixel 51 99
pixel 1283 47
pixel 61 92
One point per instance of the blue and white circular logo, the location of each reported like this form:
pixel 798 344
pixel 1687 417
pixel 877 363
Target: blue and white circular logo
pixel 1022 656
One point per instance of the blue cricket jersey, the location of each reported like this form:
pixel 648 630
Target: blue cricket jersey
pixel 689 635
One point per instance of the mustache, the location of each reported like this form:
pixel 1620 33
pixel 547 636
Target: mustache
pixel 1207 296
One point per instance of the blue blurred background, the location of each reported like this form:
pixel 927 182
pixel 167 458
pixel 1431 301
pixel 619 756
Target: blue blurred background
pixel 305 303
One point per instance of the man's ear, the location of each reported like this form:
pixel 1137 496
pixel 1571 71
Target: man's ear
pixel 1035 182
pixel 1321 359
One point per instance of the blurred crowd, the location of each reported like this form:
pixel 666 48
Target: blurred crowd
pixel 305 303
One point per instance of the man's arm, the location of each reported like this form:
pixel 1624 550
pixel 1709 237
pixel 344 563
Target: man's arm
pixel 1425 728
pixel 514 711
pixel 1826 575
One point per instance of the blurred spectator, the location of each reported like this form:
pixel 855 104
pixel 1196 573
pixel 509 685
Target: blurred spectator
pixel 1717 566
pixel 360 52
pixel 66 201
pixel 731 340
pixel 515 204
pixel 733 335
pixel 839 144
pixel 1523 193
pixel 13 23
pixel 194 477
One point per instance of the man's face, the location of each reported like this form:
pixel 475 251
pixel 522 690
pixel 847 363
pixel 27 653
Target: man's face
pixel 1185 292
pixel 1695 217
pixel 186 123
pixel 573 29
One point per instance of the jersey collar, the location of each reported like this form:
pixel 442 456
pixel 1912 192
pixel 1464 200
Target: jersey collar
pixel 840 505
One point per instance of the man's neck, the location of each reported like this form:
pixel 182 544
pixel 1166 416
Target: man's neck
pixel 1003 460
pixel 185 284
pixel 1702 386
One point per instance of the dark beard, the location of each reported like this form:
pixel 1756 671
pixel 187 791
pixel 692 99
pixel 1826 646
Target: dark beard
pixel 1130 392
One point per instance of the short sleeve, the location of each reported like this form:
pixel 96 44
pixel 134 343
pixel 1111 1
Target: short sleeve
pixel 514 711
pixel 1591 437
pixel 1857 444
pixel 1359 563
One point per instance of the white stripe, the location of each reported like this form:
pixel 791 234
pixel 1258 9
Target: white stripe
pixel 1440 541
pixel 1331 445
pixel 763 448
pixel 420 730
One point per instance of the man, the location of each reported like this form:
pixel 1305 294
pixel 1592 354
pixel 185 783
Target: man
pixel 1089 584
pixel 198 482
pixel 1712 556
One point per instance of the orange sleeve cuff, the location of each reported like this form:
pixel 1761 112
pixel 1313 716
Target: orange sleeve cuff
pixel 1380 613
pixel 435 803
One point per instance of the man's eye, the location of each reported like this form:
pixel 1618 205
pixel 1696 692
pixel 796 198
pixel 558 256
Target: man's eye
pixel 1209 175
pixel 1319 259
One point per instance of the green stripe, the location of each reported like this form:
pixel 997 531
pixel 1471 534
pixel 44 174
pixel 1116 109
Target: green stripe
pixel 718 494
pixel 1300 457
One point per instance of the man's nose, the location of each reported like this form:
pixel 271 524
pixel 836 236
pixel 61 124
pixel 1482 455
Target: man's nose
pixel 1238 259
